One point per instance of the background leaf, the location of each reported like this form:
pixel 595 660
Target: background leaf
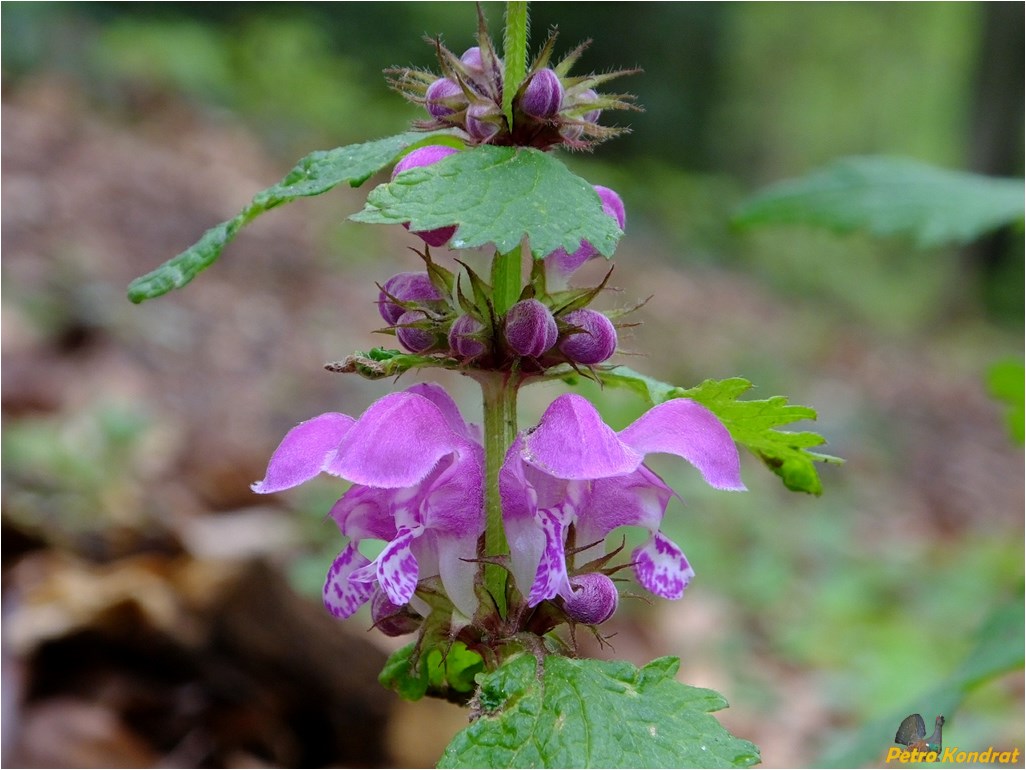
pixel 998 650
pixel 1006 381
pixel 591 713
pixel 890 196
pixel 753 424
pixel 315 174
pixel 516 192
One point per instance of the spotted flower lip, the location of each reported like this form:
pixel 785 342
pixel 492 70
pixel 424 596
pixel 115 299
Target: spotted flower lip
pixel 574 469
pixel 418 483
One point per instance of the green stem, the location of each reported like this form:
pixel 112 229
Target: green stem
pixel 514 52
pixel 500 429
pixel 506 280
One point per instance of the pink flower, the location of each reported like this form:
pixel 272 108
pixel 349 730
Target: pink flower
pixel 418 483
pixel 574 469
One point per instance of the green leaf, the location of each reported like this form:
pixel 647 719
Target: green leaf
pixel 1006 381
pixel 448 673
pixel 514 52
pixel 890 196
pixel 497 195
pixel 315 174
pixel 591 713
pixel 753 424
pixel 998 651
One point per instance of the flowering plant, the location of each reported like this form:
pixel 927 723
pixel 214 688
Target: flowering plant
pixel 495 537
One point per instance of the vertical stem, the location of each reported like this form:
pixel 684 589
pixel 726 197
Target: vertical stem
pixel 514 52
pixel 506 280
pixel 500 429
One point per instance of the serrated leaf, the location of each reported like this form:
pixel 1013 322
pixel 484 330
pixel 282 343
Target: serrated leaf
pixel 890 196
pixel 497 195
pixel 591 713
pixel 753 424
pixel 315 174
pixel 448 673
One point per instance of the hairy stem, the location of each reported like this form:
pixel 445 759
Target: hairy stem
pixel 506 280
pixel 514 45
pixel 500 428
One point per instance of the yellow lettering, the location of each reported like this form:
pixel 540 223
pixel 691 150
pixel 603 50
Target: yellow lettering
pixel 949 754
pixel 930 756
pixel 960 757
pixel 893 753
pixel 987 756
pixel 973 756
pixel 1015 756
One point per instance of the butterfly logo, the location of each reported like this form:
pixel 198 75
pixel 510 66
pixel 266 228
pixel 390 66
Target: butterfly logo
pixel 912 733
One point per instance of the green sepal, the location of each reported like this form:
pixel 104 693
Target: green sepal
pixel 752 424
pixel 591 713
pixel 315 174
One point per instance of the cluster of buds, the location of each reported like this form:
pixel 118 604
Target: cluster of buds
pixel 550 107
pixel 419 308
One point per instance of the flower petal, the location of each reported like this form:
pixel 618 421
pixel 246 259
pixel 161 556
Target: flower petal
pixel 551 579
pixel 662 568
pixel 395 443
pixel 365 512
pixel 438 396
pixel 397 568
pixel 342 595
pixel 572 442
pixel 635 499
pixel 304 452
pixel 689 430
pixel 458 575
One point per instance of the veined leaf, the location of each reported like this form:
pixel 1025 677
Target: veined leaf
pixel 753 424
pixel 890 196
pixel 315 174
pixel 591 713
pixel 497 195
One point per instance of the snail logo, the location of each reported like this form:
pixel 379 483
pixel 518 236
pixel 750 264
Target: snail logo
pixel 912 733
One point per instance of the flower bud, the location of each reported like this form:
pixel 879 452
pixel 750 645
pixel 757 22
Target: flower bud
pixel 594 343
pixel 574 130
pixel 390 619
pixel 442 97
pixel 405 287
pixel 414 339
pixel 482 121
pixel 543 95
pixel 471 58
pixel 462 344
pixel 530 328
pixel 594 598
pixel 426 156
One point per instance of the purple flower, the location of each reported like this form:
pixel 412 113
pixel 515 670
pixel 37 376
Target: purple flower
pixel 417 471
pixel 427 156
pixel 573 469
pixel 559 265
pixel 462 340
pixel 411 337
pixel 483 121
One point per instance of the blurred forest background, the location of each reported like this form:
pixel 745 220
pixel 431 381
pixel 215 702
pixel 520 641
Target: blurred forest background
pixel 157 613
